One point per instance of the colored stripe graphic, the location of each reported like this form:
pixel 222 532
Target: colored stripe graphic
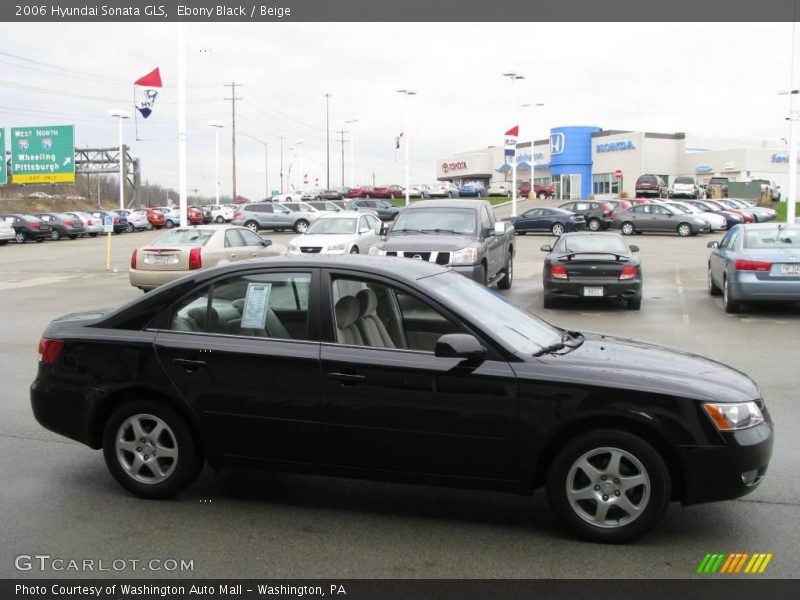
pixel 741 562
pixel 718 562
pixel 733 563
pixel 703 563
pixel 729 562
pixel 765 563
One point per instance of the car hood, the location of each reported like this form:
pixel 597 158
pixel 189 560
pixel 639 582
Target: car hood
pixel 441 242
pixel 323 239
pixel 635 365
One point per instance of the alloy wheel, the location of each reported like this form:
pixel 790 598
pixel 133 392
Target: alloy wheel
pixel 558 229
pixel 146 448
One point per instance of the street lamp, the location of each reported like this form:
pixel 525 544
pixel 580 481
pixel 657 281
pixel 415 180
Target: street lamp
pixel 217 125
pixel 266 161
pixel 352 124
pixel 793 119
pixel 533 106
pixel 406 134
pixel 121 115
pixel 300 160
pixel 328 137
pixel 514 77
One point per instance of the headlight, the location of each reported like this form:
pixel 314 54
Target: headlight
pixel 337 247
pixel 465 256
pixel 731 417
pixel 294 249
pixel 375 251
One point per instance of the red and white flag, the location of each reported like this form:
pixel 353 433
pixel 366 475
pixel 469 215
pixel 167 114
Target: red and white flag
pixel 511 142
pixel 146 91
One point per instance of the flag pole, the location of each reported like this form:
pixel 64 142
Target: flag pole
pixel 182 200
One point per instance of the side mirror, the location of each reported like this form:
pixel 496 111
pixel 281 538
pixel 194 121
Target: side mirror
pixel 634 248
pixel 266 243
pixel 364 230
pixel 546 248
pixel 712 245
pixel 384 230
pixel 459 345
pixel 499 228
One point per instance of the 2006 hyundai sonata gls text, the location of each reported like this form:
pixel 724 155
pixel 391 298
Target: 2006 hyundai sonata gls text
pixel 397 369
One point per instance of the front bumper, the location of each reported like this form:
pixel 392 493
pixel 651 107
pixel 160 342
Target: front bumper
pixel 574 288
pixel 473 272
pixel 714 473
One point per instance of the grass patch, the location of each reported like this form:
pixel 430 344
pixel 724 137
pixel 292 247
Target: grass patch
pixel 781 208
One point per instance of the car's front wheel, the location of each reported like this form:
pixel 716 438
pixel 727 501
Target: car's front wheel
pixel 55 235
pixel 169 224
pixel 609 486
pixel 150 450
pixel 594 224
pixel 131 228
pixel 300 226
pixel 628 229
pixel 557 229
pixel 685 230
pixel 220 219
pixel 541 196
pixel 252 226
pixel 713 288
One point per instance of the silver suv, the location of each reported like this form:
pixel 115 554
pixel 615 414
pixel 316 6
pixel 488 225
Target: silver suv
pixel 272 215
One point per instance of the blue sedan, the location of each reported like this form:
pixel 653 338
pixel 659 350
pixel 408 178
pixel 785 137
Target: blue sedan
pixel 547 220
pixel 472 190
pixel 758 262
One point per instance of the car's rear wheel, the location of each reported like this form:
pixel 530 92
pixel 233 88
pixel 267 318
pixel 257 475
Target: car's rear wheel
pixel 713 288
pixel 731 306
pixel 685 230
pixel 300 226
pixel 609 486
pixel 557 229
pixel 508 277
pixel 628 228
pixel 169 224
pixel 594 224
pixel 20 237
pixel 541 196
pixel 252 226
pixel 150 450
pixel 220 219
pixel 55 235
pixel 131 228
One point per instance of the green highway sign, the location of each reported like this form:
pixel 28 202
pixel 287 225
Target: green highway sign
pixel 43 154
pixel 4 170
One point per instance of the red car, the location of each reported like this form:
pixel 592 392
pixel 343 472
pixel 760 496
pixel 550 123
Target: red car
pixel 362 191
pixel 387 191
pixel 156 218
pixel 195 215
pixel 747 217
pixel 542 191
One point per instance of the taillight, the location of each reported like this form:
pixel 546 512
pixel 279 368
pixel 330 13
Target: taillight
pixel 34 225
pixel 237 214
pixel 49 350
pixel 116 219
pixel 195 260
pixel 752 265
pixel 628 273
pixel 90 222
pixel 133 260
pixel 70 223
pixel 558 272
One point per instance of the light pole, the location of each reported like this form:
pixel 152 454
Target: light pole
pixel 217 125
pixel 328 138
pixel 407 135
pixel 291 162
pixel 793 119
pixel 300 161
pixel 266 162
pixel 352 124
pixel 533 106
pixel 513 77
pixel 121 115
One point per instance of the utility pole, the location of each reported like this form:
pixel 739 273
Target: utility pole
pixel 233 99
pixel 281 164
pixel 328 137
pixel 341 132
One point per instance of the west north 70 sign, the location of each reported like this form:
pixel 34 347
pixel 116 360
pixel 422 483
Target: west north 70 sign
pixel 43 154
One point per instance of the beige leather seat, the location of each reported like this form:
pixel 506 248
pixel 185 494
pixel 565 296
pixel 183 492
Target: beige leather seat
pixel 273 327
pixel 347 312
pixel 372 329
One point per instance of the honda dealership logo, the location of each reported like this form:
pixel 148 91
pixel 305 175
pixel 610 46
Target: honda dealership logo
pixel 556 143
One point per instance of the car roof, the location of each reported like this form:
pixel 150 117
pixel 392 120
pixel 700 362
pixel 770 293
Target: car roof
pixel 354 214
pixel 591 233
pixel 204 227
pixel 444 204
pixel 771 225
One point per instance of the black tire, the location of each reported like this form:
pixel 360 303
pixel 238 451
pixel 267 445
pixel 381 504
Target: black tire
pixel 252 226
pixel 93 235
pixel 713 288
pixel 55 235
pixel 220 219
pixel 300 226
pixel 595 224
pixel 482 274
pixel 541 196
pixel 557 229
pixel 354 250
pixel 638 457
pixel 39 240
pixel 635 304
pixel 131 228
pixel 20 237
pixel 549 302
pixel 181 471
pixel 731 306
pixel 628 228
pixel 73 237
pixel 508 276
pixel 685 230
pixel 169 224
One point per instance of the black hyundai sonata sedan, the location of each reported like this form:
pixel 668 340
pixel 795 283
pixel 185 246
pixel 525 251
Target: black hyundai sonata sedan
pixel 401 370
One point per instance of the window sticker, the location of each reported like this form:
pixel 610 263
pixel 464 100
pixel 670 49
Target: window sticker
pixel 254 314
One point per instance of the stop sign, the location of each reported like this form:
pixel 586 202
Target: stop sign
pixel 618 174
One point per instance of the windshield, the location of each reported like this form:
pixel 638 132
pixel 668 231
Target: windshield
pixel 774 237
pixel 332 226
pixel 515 327
pixel 184 237
pixel 460 220
pixel 592 243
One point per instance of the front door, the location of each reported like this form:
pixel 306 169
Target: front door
pixel 389 403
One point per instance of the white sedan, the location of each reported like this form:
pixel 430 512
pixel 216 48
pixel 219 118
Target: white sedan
pixel 288 197
pixel 715 221
pixel 345 232
pixel 499 189
pixel 137 219
pixel 220 213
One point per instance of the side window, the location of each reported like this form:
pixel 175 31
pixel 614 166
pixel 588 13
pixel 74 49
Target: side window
pixel 489 214
pixel 379 316
pixel 729 243
pixel 250 238
pixel 263 305
pixel 232 239
pixel 484 219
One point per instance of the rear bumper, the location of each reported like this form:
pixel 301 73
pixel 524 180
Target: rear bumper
pixel 714 473
pixel 63 410
pixel 629 290
pixel 150 280
pixel 746 286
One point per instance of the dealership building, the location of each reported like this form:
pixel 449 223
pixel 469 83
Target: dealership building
pixel 581 161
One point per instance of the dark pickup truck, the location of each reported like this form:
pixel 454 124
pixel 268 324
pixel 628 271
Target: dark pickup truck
pixel 461 234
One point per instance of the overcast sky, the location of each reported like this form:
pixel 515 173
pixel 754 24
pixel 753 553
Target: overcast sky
pixel 713 81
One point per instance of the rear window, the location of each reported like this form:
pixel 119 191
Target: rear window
pixel 593 243
pixel 184 237
pixel 687 180
pixel 783 237
pixel 647 179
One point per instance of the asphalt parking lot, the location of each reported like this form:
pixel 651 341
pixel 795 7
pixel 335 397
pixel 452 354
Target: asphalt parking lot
pixel 58 498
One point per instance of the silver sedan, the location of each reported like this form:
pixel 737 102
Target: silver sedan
pixel 758 262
